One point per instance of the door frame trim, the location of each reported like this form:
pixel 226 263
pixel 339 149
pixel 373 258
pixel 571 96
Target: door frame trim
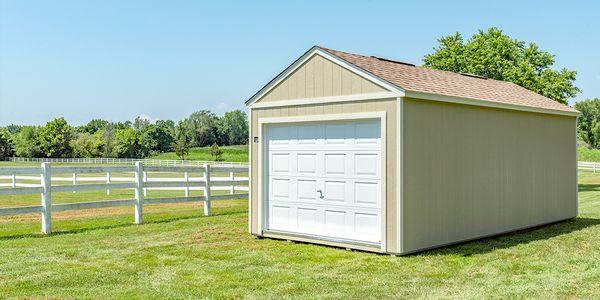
pixel 262 159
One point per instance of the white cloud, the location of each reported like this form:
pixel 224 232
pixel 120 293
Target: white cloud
pixel 149 118
pixel 222 108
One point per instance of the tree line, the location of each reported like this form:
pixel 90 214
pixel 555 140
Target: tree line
pixel 138 139
pixel 489 53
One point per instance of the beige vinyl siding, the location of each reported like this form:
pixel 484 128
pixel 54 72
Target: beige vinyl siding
pixel 387 105
pixel 318 77
pixel 472 171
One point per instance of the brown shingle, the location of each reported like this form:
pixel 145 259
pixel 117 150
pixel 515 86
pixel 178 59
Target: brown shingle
pixel 426 80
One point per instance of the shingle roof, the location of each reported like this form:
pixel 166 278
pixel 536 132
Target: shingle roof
pixel 426 80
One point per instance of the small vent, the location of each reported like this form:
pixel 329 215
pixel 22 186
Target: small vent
pixel 472 75
pixel 394 61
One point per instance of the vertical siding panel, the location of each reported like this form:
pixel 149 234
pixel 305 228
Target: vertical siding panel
pixel 310 79
pixel 346 82
pixel 301 83
pixel 472 171
pixel 336 80
pixel 293 86
pixel 318 76
pixel 356 84
pixel 327 78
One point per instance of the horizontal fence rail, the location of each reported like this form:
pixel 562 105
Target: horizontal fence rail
pixel 131 161
pixel 114 179
pixel 588 166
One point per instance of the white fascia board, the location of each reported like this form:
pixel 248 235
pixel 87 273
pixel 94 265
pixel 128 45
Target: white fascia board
pixel 486 103
pixel 308 55
pixel 332 99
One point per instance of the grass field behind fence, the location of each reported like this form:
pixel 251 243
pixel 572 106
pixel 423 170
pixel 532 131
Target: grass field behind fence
pixel 179 253
pixel 237 153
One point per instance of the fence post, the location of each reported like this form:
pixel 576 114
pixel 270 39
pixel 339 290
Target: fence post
pixel 207 190
pixel 186 177
pixel 46 179
pixel 232 187
pixel 107 181
pixel 74 180
pixel 594 167
pixel 139 195
pixel 13 178
pixel 145 180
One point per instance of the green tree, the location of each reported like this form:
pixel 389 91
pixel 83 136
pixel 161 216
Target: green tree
pixel 203 126
pixel 88 145
pixel 216 152
pixel 93 126
pixel 587 123
pixel 107 135
pixel 27 142
pixel 6 145
pixel 182 141
pixel 157 137
pixel 13 129
pixel 494 55
pixel 233 127
pixel 127 144
pixel 140 123
pixel 55 138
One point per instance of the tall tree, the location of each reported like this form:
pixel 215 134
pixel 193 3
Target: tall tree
pixel 56 138
pixel 494 55
pixel 203 127
pixel 93 126
pixel 158 137
pixel 588 123
pixel 6 145
pixel 182 140
pixel 27 142
pixel 88 145
pixel 13 129
pixel 127 144
pixel 233 127
pixel 140 123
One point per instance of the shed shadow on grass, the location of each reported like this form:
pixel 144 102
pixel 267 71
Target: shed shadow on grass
pixel 515 238
pixel 149 219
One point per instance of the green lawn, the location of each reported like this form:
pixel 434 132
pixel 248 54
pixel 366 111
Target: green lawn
pixel 179 253
pixel 230 153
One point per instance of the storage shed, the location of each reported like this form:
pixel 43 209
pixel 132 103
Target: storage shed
pixel 374 154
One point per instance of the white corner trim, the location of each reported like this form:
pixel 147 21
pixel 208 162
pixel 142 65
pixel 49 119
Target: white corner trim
pixel 251 160
pixel 262 173
pixel 317 51
pixel 486 103
pixel 399 175
pixel 332 99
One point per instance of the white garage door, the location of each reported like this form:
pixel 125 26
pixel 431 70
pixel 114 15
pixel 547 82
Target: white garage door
pixel 324 179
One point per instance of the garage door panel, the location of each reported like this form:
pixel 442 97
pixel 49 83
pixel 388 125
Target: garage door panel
pixel 367 193
pixel 367 164
pixel 332 173
pixel 307 163
pixel 280 189
pixel 280 163
pixel 335 191
pixel 308 219
pixel 307 190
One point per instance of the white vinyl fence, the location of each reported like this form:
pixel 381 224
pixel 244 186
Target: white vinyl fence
pixel 588 166
pixel 129 161
pixel 140 183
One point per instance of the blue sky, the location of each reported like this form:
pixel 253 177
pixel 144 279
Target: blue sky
pixel 165 59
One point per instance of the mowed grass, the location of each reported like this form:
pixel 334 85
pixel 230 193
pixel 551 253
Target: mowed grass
pixel 179 253
pixel 237 153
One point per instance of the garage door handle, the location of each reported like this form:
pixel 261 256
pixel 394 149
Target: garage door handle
pixel 320 193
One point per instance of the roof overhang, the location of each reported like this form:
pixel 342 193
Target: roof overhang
pixel 396 90
pixel 486 103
